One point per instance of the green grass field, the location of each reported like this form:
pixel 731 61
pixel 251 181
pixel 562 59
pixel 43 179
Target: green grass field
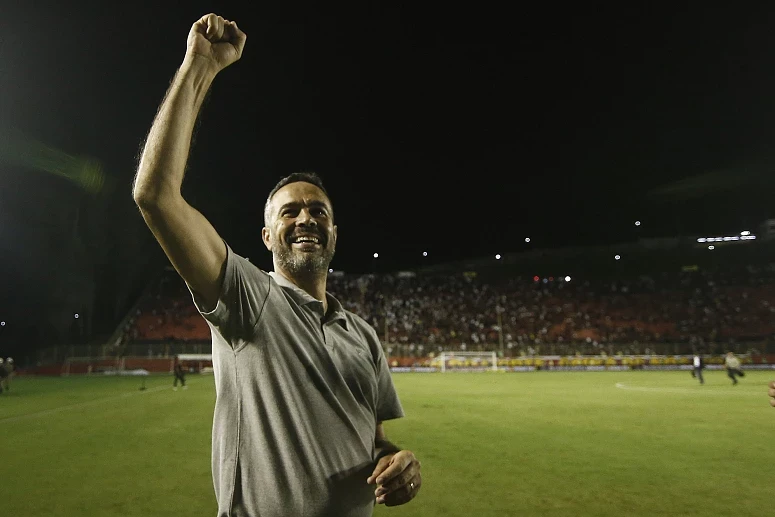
pixel 540 443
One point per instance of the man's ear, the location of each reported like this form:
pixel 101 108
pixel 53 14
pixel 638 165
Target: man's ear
pixel 266 237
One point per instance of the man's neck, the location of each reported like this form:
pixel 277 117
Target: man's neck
pixel 314 284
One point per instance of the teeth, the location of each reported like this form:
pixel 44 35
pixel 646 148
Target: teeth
pixel 307 239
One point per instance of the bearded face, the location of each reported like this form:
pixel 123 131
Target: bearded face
pixel 302 251
pixel 301 235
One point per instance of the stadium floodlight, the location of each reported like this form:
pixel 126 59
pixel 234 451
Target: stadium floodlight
pixel 2 324
pixel 498 256
pixel 376 255
pixel 744 236
pixel 711 247
pixel 76 315
pixel 637 223
pixel 424 253
pixel 617 257
pixel 527 239
pixel 567 279
pixel 330 270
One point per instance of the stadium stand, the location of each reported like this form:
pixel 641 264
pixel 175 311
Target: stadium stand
pixel 652 311
pixel 522 315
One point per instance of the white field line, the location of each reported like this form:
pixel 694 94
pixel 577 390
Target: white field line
pixel 688 391
pixel 80 404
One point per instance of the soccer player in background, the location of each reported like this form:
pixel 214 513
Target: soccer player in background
pixel 3 375
pixel 698 365
pixel 732 365
pixel 180 375
pixel 302 384
pixel 10 365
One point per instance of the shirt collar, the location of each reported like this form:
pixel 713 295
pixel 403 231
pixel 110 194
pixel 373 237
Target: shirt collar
pixel 335 310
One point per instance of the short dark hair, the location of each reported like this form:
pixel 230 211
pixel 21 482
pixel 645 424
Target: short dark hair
pixel 305 176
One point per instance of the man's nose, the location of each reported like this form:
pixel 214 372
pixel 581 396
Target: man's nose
pixel 305 218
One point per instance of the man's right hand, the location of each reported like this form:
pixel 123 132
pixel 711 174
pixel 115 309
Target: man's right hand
pixel 217 40
pixel 771 393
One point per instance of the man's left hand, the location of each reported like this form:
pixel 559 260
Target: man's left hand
pixel 397 477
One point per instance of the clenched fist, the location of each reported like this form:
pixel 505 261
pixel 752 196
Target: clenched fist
pixel 216 39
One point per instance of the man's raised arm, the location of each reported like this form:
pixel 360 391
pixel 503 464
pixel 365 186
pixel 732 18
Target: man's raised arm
pixel 189 240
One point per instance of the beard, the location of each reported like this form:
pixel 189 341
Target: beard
pixel 303 263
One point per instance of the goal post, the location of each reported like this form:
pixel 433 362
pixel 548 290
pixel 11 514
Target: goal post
pixel 467 361
pixel 202 363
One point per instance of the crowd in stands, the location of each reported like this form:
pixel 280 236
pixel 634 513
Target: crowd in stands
pixel 424 313
pixel 166 313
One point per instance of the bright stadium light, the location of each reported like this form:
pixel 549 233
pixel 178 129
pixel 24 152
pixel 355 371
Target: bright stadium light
pixel 76 316
pixel 330 270
pixel 746 232
pixel 711 247
pixel 567 279
pixel 2 324
pixel 527 239
pixel 376 255
pixel 424 253
pixel 498 256
pixel 617 257
pixel 637 223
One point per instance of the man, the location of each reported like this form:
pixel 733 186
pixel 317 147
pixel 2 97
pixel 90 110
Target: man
pixel 10 366
pixel 302 385
pixel 179 376
pixel 698 364
pixel 732 365
pixel 3 375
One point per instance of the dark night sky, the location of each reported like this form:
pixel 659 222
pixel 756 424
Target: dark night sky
pixel 454 131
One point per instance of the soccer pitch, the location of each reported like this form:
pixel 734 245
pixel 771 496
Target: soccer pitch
pixel 491 444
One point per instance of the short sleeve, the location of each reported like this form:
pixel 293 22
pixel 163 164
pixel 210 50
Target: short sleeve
pixel 241 300
pixel 388 403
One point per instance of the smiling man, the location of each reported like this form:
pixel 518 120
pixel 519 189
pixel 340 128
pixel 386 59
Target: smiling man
pixel 302 385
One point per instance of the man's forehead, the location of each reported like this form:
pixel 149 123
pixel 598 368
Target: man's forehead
pixel 300 192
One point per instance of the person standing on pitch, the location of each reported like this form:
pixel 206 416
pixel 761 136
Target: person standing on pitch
pixel 699 365
pixel 11 367
pixel 732 365
pixel 3 375
pixel 302 384
pixel 180 375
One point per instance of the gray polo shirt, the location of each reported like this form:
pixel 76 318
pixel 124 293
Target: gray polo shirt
pixel 298 398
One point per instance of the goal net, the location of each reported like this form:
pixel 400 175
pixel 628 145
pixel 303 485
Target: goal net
pixel 466 361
